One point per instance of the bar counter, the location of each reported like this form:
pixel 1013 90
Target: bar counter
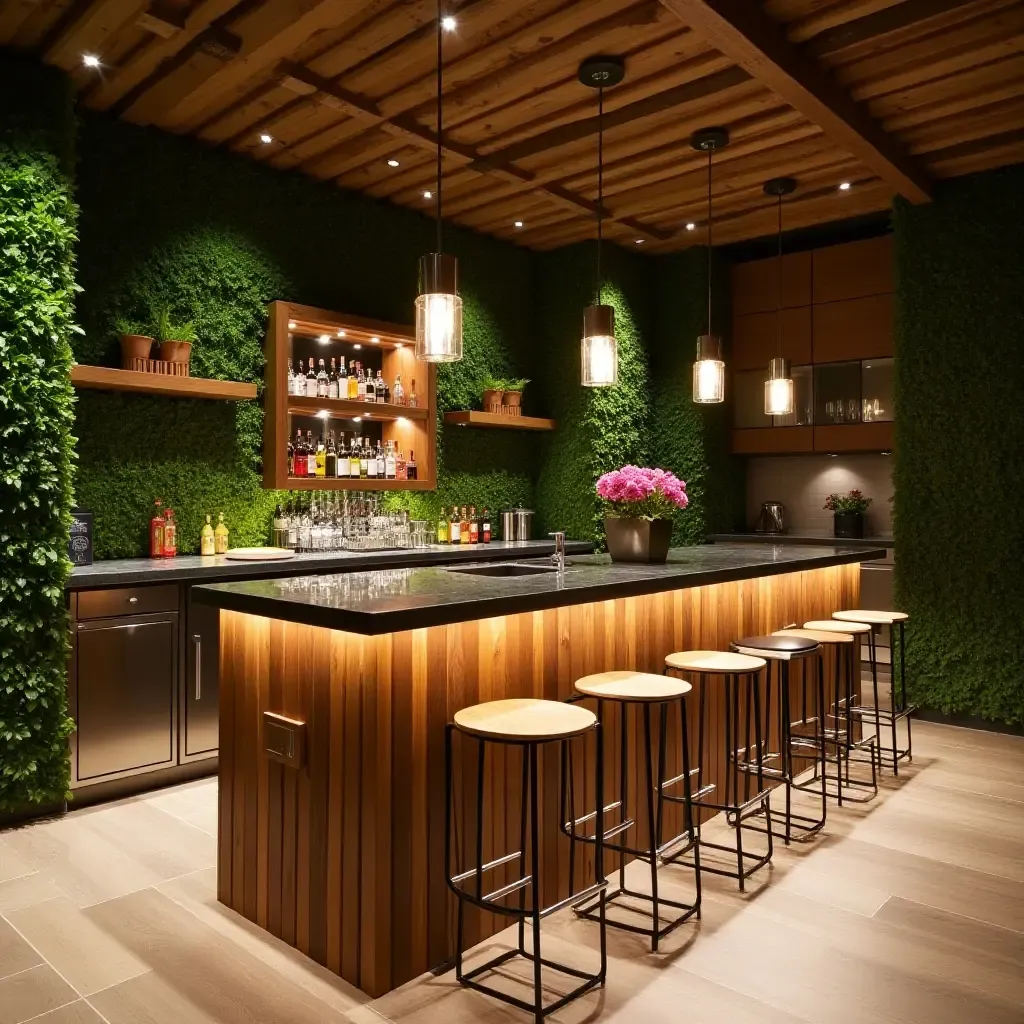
pixel 341 852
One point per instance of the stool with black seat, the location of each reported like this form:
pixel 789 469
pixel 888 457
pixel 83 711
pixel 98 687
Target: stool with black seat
pixel 739 673
pixel 639 692
pixel 900 709
pixel 782 651
pixel 837 732
pixel 527 723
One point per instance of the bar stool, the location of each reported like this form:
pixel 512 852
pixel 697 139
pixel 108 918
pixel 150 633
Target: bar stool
pixel 736 670
pixel 900 709
pixel 782 650
pixel 527 723
pixel 844 706
pixel 839 735
pixel 639 691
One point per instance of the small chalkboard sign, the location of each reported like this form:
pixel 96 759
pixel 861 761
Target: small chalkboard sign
pixel 80 540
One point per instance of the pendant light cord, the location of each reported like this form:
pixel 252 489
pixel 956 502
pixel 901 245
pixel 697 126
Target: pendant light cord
pixel 710 151
pixel 600 184
pixel 778 309
pixel 440 83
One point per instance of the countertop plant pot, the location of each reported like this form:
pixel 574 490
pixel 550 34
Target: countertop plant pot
pixel 135 346
pixel 493 399
pixel 638 540
pixel 175 351
pixel 848 524
pixel 513 398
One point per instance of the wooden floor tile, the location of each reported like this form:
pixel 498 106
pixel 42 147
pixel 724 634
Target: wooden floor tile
pixel 31 993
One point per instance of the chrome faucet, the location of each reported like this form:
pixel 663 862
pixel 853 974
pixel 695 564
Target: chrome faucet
pixel 558 558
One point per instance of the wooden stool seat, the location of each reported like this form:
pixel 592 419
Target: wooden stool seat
pixel 524 719
pixel 874 618
pixel 835 626
pixel 819 636
pixel 713 662
pixel 632 686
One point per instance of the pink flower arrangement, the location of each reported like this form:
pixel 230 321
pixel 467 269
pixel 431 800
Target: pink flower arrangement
pixel 642 493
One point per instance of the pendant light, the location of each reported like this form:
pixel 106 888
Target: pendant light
pixel 599 357
pixel 439 305
pixel 779 392
pixel 709 369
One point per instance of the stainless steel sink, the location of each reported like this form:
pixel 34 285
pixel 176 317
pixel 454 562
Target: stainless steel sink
pixel 503 569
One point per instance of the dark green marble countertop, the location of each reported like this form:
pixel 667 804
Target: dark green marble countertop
pixel 391 600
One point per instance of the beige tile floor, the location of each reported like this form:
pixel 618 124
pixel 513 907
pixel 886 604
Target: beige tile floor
pixel 909 909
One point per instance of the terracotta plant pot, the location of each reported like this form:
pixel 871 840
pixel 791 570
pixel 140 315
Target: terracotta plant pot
pixel 175 351
pixel 638 540
pixel 492 399
pixel 135 346
pixel 513 398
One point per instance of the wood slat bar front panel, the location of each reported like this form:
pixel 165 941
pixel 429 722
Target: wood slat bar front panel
pixel 344 858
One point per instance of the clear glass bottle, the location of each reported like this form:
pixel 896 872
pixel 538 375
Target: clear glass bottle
pixel 332 380
pixel 398 392
pixel 355 457
pixel 371 462
pixel 299 382
pixel 310 454
pixel 381 462
pixel 311 380
pixel 390 467
pixel 379 389
pixel 291 377
pixel 322 383
pixel 344 466
pixel 412 394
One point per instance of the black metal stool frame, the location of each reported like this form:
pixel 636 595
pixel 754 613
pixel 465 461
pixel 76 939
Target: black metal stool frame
pixel 752 806
pixel 534 913
pixel 658 852
pixel 842 736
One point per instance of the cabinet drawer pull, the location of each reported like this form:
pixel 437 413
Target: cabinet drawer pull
pixel 198 641
pixel 133 600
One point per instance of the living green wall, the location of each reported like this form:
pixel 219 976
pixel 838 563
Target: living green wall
pixel 959 456
pixel 166 221
pixel 37 237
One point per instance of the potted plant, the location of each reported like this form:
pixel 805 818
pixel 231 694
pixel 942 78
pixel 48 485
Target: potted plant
pixel 639 504
pixel 494 391
pixel 513 399
pixel 175 338
pixel 135 342
pixel 848 513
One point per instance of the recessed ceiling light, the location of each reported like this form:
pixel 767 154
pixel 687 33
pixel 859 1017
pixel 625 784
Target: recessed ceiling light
pixel 357 419
pixel 519 223
pixel 448 23
pixel 833 455
pixel 428 195
pixel 375 340
pixel 844 186
pixel 90 60
pixel 266 139
pixel 392 162
pixel 639 241
pixel 398 344
pixel 403 421
pixel 691 226
pixel 341 334
pixel 357 346
pixel 887 453
pixel 324 338
pixel 324 414
pixel 291 325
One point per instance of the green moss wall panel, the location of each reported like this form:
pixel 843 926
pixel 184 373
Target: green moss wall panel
pixel 37 286
pixel 959 456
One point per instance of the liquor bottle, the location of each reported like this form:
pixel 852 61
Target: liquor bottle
pixel 410 467
pixel 279 537
pixel 485 527
pixel 291 458
pixel 170 534
pixel 387 395
pixel 412 394
pixel 206 540
pixel 320 466
pixel 310 453
pixel 298 382
pixel 291 377
pixel 331 459
pixel 398 392
pixel 361 396
pixel 344 465
pixel 371 462
pixel 474 526
pixel 220 535
pixel 390 468
pixel 292 520
pixel 442 528
pixel 352 381
pixel 454 526
pixel 332 380
pixel 378 387
pixel 322 382
pixel 357 466
pixel 464 533
pixel 400 467
pixel 311 380
pixel 364 459
pixel 156 531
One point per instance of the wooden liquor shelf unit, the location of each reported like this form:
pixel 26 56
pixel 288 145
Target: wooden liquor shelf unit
pixel 300 332
pixel 475 418
pixel 107 378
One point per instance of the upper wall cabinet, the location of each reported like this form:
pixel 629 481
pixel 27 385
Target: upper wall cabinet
pixel 755 338
pixel 853 271
pixel 755 285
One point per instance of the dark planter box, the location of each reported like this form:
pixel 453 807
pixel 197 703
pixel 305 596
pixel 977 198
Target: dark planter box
pixel 638 540
pixel 848 524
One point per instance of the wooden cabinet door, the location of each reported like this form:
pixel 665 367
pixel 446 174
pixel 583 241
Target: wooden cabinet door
pixel 200 681
pixel 124 685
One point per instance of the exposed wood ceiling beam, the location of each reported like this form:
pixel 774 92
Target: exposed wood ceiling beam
pixel 407 129
pixel 745 33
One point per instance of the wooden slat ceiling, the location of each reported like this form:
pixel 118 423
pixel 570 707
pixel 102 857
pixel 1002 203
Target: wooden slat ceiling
pixel 888 95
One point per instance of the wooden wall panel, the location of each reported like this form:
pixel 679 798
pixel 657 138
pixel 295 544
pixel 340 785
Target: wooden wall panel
pixel 853 329
pixel 345 857
pixel 772 440
pixel 854 270
pixel 855 437
pixel 755 284
pixel 755 338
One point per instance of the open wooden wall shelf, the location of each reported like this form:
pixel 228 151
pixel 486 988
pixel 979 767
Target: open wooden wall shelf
pixel 108 378
pixel 474 418
pixel 295 331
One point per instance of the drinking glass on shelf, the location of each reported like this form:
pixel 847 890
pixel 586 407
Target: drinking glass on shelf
pixel 830 411
pixel 852 409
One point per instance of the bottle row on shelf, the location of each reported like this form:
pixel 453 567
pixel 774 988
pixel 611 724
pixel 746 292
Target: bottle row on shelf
pixel 465 527
pixel 359 459
pixel 357 384
pixel 163 534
